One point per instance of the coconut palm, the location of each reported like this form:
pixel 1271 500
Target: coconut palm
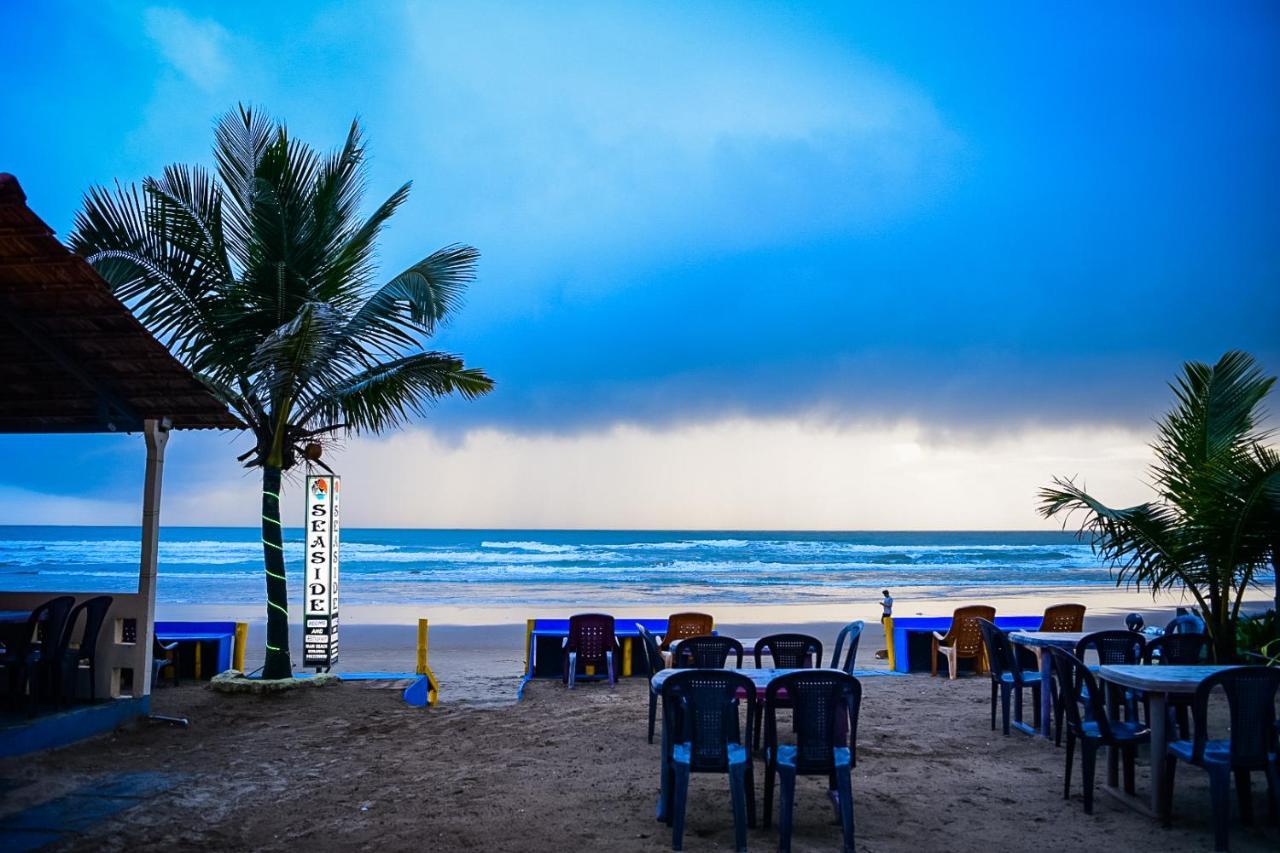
pixel 1216 522
pixel 261 278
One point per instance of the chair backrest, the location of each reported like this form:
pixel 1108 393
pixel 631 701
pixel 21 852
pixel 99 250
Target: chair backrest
pixel 1063 618
pixel 590 635
pixel 1251 698
pixel 1187 623
pixel 1001 657
pixel 1176 649
pixel 95 610
pixel 700 706
pixel 652 654
pixel 851 634
pixel 1113 647
pixel 817 699
pixel 683 625
pixel 1076 685
pixel 709 652
pixel 789 651
pixel 48 621
pixel 964 634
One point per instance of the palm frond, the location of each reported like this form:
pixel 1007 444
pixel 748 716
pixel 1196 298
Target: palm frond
pixel 389 394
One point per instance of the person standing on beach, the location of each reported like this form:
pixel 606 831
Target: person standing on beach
pixel 886 605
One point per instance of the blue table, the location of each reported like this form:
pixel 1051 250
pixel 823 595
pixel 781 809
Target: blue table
pixel 547 636
pixel 223 634
pixel 907 627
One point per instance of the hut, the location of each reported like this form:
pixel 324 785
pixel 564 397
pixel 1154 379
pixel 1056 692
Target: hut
pixel 74 359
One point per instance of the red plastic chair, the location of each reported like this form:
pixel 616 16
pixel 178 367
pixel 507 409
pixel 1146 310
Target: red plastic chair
pixel 591 643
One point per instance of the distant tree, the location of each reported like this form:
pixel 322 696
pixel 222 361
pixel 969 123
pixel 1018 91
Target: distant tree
pixel 261 279
pixel 1216 522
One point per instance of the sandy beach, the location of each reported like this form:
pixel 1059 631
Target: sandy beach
pixel 354 768
pixel 478 653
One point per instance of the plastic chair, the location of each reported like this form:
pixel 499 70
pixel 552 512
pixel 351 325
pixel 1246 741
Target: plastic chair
pixel 824 718
pixel 1063 618
pixel 32 657
pixel 962 640
pixel 850 633
pixel 701 735
pixel 1007 675
pixel 653 657
pixel 1253 745
pixel 591 642
pixel 1094 727
pixel 160 659
pixel 1176 650
pixel 681 626
pixel 70 657
pixel 709 652
pixel 789 651
pixel 1111 647
pixel 1185 623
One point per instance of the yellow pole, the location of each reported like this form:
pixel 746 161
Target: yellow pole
pixel 528 646
pixel 887 621
pixel 626 657
pixel 433 692
pixel 198 645
pixel 422 647
pixel 242 640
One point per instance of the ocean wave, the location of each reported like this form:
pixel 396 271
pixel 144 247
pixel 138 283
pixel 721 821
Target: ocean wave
pixel 539 547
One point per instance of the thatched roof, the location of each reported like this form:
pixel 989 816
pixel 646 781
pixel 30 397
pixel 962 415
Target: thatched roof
pixel 73 358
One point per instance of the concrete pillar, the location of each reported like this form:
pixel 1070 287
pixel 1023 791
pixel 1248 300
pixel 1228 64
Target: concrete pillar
pixel 156 433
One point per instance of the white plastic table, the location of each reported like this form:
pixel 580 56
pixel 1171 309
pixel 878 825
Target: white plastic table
pixel 1039 641
pixel 1158 683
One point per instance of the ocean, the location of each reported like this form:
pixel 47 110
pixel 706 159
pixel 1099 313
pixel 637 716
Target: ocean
pixel 201 565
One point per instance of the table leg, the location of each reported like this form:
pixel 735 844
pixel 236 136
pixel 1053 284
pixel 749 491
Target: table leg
pixel 1158 744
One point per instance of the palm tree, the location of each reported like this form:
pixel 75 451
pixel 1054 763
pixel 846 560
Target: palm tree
pixel 260 277
pixel 1216 522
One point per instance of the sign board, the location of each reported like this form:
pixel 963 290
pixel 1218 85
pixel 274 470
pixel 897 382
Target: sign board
pixel 320 598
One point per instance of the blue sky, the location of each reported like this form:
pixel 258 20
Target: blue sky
pixel 962 229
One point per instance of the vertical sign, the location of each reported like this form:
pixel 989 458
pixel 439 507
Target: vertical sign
pixel 320 601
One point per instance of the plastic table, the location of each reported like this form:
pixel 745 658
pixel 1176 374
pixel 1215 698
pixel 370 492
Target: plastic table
pixel 1038 641
pixel 1158 683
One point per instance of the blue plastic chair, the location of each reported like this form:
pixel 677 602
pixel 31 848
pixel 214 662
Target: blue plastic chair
pixel 787 651
pixel 30 661
pixel 1253 745
pixel 850 634
pixel 1007 676
pixel 709 652
pixel 1092 725
pixel 653 657
pixel 1112 648
pixel 824 718
pixel 701 734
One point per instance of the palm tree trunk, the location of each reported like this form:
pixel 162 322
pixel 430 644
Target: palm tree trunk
pixel 277 661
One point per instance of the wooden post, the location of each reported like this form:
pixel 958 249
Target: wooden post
pixel 156 434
